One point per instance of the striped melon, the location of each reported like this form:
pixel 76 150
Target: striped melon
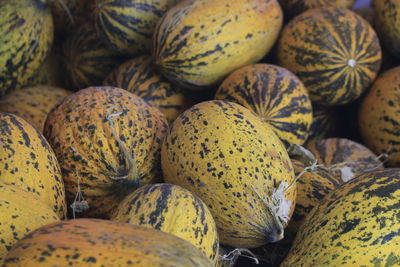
pixel 235 163
pixel 295 7
pixel 387 22
pixel 344 157
pixel 108 143
pixel 87 60
pixel 140 77
pixel 335 52
pixel 199 42
pixel 27 161
pixel 276 95
pixel 127 26
pixel 356 225
pixel 379 116
pixel 323 124
pixel 33 103
pixel 20 213
pixel 26 35
pixel 93 242
pixel 171 209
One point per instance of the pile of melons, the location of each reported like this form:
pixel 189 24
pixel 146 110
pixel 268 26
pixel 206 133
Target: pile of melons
pixel 199 133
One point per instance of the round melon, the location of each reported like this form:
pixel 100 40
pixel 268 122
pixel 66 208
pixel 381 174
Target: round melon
pixel 33 104
pixel 87 59
pixel 357 224
pixel 108 143
pixel 127 26
pixel 94 242
pixel 199 42
pixel 387 22
pixel 379 116
pixel 27 161
pixel 344 158
pixel 235 163
pixel 20 213
pixel 276 95
pixel 26 36
pixel 334 51
pixel 295 7
pixel 140 77
pixel 171 209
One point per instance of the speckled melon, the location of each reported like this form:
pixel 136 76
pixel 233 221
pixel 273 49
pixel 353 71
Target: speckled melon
pixel 233 161
pixel 20 213
pixel 356 225
pixel 276 95
pixel 108 143
pixel 33 103
pixel 172 209
pixel 341 153
pixel 26 35
pixel 387 22
pixel 199 42
pixel 323 124
pixel 93 242
pixel 295 7
pixel 334 51
pixel 87 59
pixel 379 116
pixel 27 161
pixel 140 77
pixel 127 26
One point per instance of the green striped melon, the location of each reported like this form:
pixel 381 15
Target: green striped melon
pixel 199 42
pixel 334 51
pixel 128 26
pixel 357 224
pixel 276 95
pixel 26 36
pixel 139 76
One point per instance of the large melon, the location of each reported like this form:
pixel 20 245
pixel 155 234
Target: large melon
pixel 33 104
pixel 334 51
pixel 127 26
pixel 198 42
pixel 20 213
pixel 171 209
pixel 26 35
pixel 276 95
pixel 93 242
pixel 27 161
pixel 356 225
pixel 234 162
pixel 140 77
pixel 295 7
pixel 108 143
pixel 379 116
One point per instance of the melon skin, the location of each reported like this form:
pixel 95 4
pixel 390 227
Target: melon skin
pixel 197 43
pixel 334 52
pixel 295 7
pixel 25 41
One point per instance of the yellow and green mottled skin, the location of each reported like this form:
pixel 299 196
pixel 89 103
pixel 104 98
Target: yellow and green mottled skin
pixel 26 35
pixel 387 22
pixel 94 242
pixel 368 13
pixel 27 161
pixel 33 104
pixel 323 123
pixel 128 26
pixel 232 160
pixel 171 209
pixel 87 59
pixel 334 52
pixel 341 152
pixel 379 116
pixel 108 141
pixel 295 7
pixel 199 42
pixel 276 95
pixel 20 213
pixel 140 77
pixel 357 224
